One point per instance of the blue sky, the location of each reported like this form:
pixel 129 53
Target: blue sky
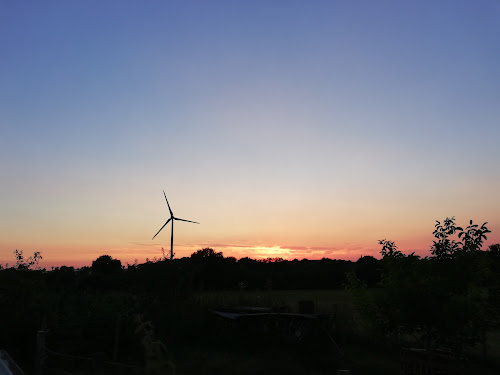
pixel 277 124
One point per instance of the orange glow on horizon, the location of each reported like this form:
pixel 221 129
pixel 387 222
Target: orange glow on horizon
pixel 83 255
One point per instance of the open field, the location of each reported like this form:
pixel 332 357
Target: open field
pixel 102 314
pixel 360 353
pixel 325 301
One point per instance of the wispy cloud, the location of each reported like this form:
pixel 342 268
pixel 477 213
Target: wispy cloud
pixel 221 245
pixel 144 244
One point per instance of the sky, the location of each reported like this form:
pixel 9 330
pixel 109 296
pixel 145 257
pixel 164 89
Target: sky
pixel 294 129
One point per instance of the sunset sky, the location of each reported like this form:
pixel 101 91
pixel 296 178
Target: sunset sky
pixel 299 129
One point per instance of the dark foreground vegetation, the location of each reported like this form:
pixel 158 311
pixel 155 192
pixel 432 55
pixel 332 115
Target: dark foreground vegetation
pixel 155 318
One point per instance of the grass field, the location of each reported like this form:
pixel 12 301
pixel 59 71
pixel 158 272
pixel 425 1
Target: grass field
pixel 360 358
pixel 361 353
pixel 326 301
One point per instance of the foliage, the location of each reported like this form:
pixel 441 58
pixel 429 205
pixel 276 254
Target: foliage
pixel 368 269
pixel 105 264
pixel 206 253
pixel 366 309
pixel 494 249
pixel 23 263
pixel 271 260
pixel 389 250
pixel 443 247
pixel 441 300
pixel 473 236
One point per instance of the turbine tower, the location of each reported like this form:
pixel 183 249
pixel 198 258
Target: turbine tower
pixel 172 219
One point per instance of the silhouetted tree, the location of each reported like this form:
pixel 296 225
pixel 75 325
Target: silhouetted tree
pixel 443 247
pixel 246 260
pixel 106 265
pixel 61 278
pixel 368 270
pixel 494 249
pixel 23 263
pixel 206 253
pixel 473 236
pixel 389 250
pixel 441 301
pixel 106 273
pixel 271 260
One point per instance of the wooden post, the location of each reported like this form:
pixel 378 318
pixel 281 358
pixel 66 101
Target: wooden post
pixel 40 352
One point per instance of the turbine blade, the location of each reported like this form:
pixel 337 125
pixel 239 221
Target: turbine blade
pixel 171 214
pixel 161 229
pixel 189 221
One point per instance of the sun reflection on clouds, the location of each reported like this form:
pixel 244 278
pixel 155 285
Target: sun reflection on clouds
pixel 263 252
pixel 141 252
pixel 290 252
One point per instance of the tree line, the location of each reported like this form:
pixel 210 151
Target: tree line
pixel 450 298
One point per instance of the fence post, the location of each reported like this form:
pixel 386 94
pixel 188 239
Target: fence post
pixel 40 352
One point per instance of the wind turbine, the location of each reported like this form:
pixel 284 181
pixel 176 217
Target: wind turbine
pixel 172 219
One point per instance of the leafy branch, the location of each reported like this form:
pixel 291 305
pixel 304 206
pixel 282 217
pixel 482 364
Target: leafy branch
pixel 23 263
